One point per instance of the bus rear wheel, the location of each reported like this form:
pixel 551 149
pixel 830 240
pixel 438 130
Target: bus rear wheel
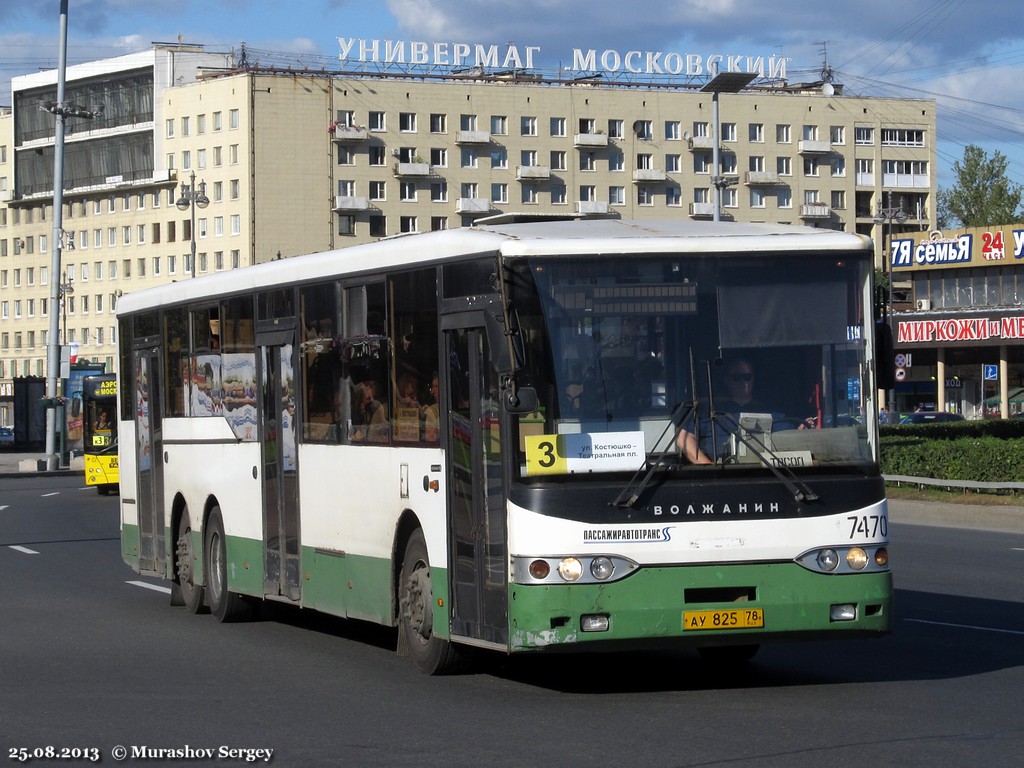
pixel 184 590
pixel 431 654
pixel 224 604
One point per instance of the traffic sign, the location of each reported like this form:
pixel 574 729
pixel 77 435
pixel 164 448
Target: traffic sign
pixel 991 372
pixel 901 374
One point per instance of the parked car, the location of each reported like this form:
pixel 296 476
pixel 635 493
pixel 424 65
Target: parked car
pixel 6 437
pixel 930 417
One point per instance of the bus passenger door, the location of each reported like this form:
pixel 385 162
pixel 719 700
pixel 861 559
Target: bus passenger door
pixel 280 465
pixel 476 506
pixel 149 459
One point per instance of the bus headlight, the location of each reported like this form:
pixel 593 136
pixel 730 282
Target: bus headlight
pixel 846 560
pixel 828 560
pixel 574 569
pixel 539 569
pixel 601 568
pixel 857 558
pixel 570 569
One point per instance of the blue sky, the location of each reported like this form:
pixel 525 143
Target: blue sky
pixel 968 55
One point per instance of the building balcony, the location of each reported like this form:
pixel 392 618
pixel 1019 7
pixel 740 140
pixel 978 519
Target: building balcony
pixel 809 147
pixel 472 137
pixel 350 203
pixel 525 172
pixel 350 133
pixel 591 206
pixel 590 140
pixel 412 169
pixel 815 211
pixel 648 175
pixel 472 205
pixel 702 210
pixel 762 178
pixel 701 143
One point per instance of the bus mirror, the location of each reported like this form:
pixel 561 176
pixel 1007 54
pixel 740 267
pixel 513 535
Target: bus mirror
pixel 885 356
pixel 521 400
pixel 495 326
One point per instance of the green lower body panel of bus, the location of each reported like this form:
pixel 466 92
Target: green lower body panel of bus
pixel 700 606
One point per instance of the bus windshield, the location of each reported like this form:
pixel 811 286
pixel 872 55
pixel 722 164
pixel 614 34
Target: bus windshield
pixel 717 359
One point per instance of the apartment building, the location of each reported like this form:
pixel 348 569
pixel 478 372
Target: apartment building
pixel 294 161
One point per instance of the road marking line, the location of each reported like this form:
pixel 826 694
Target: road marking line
pixel 26 550
pixel 3 507
pixel 154 587
pixel 55 493
pixel 967 626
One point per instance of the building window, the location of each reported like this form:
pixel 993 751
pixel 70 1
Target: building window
pixel 378 122
pixel 467 122
pixel 439 192
pixel 673 131
pixel 616 129
pixel 784 166
pixel 439 157
pixel 673 196
pixel 644 130
pixel 557 160
pixel 499 158
pixel 864 136
pixel 346 224
pixel 757 132
pixel 233 120
pixel 757 198
pixel 438 123
pixel 673 163
pixel 499 193
pixel 528 194
pixel 838 167
pixel 558 126
pixel 499 125
pixel 527 126
pixel 558 194
pixel 837 134
pixel 438 223
pixel 838 200
pixel 783 134
pixel 616 195
pixel 377 156
pixel 378 191
pixel 407 122
pixel 729 132
pixel 407 191
pixel 469 157
pixel 378 225
pixel 407 224
pixel 902 137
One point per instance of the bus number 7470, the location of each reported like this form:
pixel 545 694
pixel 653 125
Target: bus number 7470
pixel 868 526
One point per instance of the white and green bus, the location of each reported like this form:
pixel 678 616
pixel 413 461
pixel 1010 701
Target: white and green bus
pixel 478 436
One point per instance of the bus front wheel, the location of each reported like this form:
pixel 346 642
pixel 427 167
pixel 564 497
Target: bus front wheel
pixel 184 590
pixel 224 604
pixel 431 654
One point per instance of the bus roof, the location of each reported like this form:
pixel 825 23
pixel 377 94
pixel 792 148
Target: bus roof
pixel 568 237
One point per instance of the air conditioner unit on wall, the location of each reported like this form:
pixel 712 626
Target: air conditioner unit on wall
pixel 924 305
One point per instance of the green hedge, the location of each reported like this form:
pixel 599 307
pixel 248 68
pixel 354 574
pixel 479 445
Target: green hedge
pixel 985 451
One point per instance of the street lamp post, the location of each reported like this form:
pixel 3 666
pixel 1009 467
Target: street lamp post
pixel 888 215
pixel 722 82
pixel 190 199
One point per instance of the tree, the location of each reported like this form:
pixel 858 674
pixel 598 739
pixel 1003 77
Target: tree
pixel 982 194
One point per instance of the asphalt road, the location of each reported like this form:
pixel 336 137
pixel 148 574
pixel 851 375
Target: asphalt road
pixel 93 658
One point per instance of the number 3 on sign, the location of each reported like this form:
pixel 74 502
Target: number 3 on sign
pixel 543 456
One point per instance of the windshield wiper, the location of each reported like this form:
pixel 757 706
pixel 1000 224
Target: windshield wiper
pixel 777 467
pixel 629 495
